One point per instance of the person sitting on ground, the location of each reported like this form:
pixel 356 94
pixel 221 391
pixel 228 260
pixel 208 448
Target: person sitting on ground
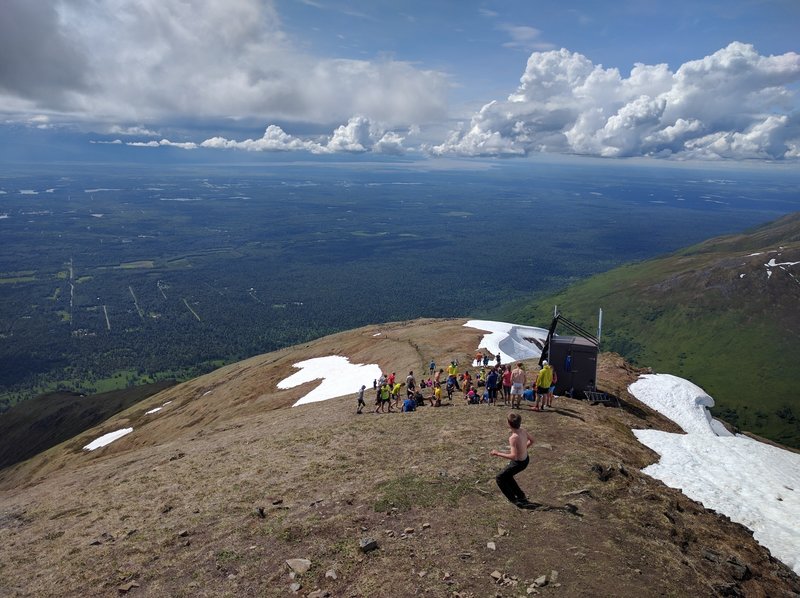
pixel 470 397
pixel 436 399
pixel 528 394
pixel 409 404
pixel 419 399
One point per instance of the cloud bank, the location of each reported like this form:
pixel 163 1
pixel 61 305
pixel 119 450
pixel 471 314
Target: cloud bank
pixel 146 61
pixel 734 104
pixel 359 135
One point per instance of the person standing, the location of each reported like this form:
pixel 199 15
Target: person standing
pixel 411 382
pixel 452 375
pixel 518 379
pixel 396 393
pixel 506 380
pixel 491 385
pixel 432 366
pixel 519 441
pixel 551 393
pixel 385 394
pixel 543 381
pixel 361 403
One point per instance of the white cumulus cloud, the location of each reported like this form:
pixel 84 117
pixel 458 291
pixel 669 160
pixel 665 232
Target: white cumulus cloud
pixel 188 145
pixel 358 135
pixel 143 61
pixel 734 104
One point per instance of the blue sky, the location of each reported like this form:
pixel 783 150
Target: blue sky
pixel 679 80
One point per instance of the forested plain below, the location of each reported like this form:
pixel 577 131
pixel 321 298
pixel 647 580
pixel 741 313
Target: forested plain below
pixel 111 277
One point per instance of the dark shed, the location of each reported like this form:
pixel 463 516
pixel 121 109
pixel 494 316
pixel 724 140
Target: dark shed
pixel 574 360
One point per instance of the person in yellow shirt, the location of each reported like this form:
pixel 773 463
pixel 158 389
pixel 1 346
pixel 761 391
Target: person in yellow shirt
pixel 542 387
pixel 452 375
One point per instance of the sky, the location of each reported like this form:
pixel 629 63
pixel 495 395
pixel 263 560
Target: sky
pixel 681 80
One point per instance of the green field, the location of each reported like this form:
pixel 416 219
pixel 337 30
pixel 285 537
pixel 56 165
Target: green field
pixel 692 314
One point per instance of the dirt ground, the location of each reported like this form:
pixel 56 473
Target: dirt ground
pixel 216 493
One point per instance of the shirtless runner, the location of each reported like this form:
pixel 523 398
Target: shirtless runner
pixel 518 442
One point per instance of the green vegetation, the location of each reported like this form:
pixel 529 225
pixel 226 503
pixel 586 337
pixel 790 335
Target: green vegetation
pixel 692 314
pixel 265 260
pixel 38 424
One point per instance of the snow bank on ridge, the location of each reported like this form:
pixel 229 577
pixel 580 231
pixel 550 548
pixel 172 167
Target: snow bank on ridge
pixel 512 341
pixel 683 402
pixel 753 483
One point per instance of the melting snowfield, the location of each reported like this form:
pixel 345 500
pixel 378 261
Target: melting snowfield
pixel 753 483
pixel 512 341
pixel 339 377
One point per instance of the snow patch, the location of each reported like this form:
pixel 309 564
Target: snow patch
pixel 339 377
pixel 513 342
pixel 107 439
pixel 753 483
pixel 156 410
pixel 683 402
pixel 771 263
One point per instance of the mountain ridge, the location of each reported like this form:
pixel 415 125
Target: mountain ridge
pixel 723 313
pixel 215 492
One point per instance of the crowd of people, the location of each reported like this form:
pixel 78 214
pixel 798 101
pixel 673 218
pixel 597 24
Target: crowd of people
pixel 497 384
pixel 494 385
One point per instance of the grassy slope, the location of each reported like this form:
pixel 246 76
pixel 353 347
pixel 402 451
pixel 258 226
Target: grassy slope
pixel 173 506
pixel 692 315
pixel 38 424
